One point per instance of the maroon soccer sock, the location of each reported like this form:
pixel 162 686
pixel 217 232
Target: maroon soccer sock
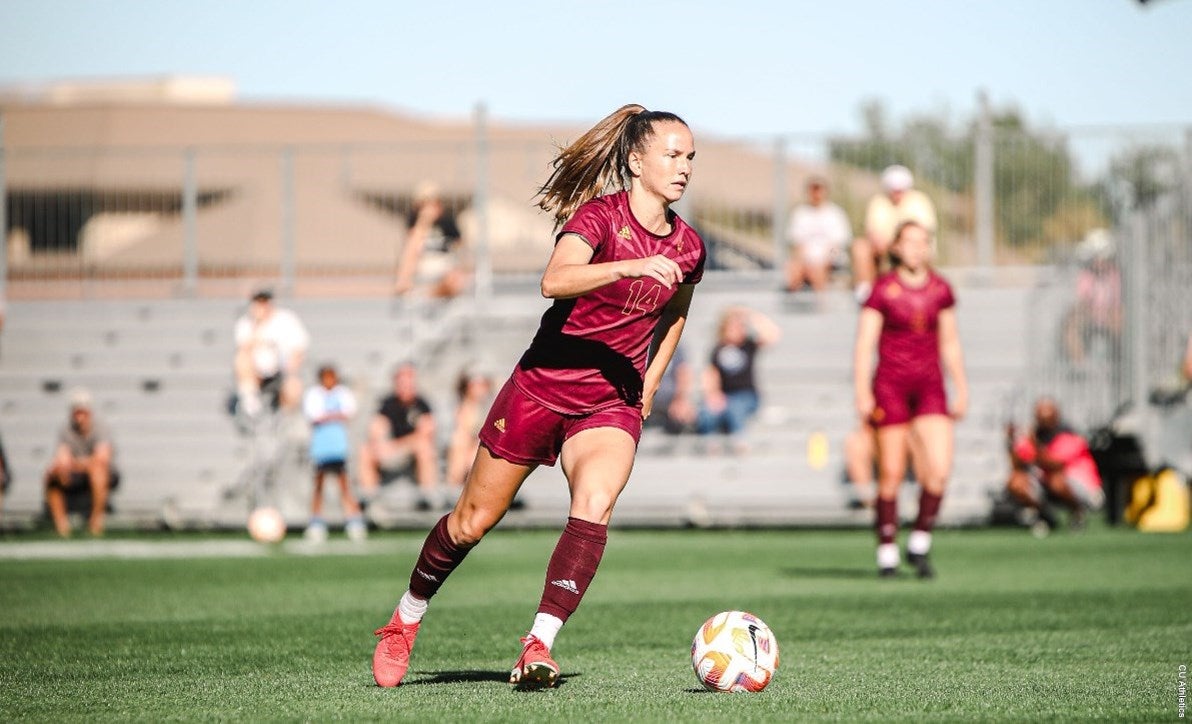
pixel 929 508
pixel 572 567
pixel 887 520
pixel 439 557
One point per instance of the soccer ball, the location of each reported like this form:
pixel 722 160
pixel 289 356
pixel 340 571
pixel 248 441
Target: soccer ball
pixel 734 651
pixel 266 525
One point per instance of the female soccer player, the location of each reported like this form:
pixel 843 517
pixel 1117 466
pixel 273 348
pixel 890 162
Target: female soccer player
pixel 910 321
pixel 621 276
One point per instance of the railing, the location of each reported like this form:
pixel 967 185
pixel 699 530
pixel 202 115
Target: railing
pixel 331 218
pixel 1110 327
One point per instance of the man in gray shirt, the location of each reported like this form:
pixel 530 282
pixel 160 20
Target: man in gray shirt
pixel 84 457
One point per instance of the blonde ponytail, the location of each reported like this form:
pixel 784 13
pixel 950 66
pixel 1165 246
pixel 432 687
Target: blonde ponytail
pixel 598 161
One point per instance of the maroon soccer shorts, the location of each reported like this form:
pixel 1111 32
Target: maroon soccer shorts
pixel 525 432
pixel 897 402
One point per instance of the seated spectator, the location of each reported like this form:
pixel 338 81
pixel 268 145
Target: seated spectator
pixel 84 461
pixel 329 407
pixel 818 233
pixel 473 390
pixel 1096 315
pixel 674 407
pixel 730 389
pixel 1053 464
pixel 897 203
pixel 400 436
pixel 432 255
pixel 270 346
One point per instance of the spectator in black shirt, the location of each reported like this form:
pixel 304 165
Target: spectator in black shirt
pixel 401 435
pixel 730 390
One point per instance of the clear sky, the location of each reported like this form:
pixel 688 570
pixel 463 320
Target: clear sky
pixel 736 68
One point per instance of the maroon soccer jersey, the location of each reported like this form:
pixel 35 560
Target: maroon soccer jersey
pixel 909 346
pixel 590 351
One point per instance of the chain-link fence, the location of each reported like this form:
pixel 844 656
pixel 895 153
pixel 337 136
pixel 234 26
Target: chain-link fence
pixel 1109 325
pixel 318 218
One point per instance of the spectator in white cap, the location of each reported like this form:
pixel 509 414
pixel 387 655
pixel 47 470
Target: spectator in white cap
pixel 1094 321
pixel 84 458
pixel 897 202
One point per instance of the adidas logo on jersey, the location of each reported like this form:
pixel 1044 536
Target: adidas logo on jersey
pixel 500 424
pixel 566 585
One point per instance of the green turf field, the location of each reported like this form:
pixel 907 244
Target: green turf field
pixel 1071 627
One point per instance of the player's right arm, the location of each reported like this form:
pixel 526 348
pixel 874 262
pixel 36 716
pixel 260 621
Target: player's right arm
pixel 869 328
pixel 569 274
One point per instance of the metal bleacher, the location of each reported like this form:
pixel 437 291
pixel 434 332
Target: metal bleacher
pixel 160 373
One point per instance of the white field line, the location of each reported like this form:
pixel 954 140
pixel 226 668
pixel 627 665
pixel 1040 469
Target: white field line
pixel 131 549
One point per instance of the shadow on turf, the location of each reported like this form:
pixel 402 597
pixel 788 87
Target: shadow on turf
pixel 837 573
pixel 471 675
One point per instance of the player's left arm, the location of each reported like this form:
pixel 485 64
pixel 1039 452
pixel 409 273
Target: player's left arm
pixel 953 358
pixel 666 338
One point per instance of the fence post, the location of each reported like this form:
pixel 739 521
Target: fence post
pixel 484 267
pixel 1137 309
pixel 983 185
pixel 778 226
pixel 287 221
pixel 190 236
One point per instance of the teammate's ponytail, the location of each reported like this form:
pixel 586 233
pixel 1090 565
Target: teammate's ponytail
pixel 598 161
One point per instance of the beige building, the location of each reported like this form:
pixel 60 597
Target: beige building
pixel 99 175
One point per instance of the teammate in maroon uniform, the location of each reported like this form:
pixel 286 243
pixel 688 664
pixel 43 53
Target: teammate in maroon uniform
pixel 622 275
pixel 910 321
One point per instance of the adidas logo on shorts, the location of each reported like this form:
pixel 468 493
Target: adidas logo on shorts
pixel 500 424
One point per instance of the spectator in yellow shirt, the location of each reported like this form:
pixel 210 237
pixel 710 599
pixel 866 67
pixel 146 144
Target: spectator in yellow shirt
pixel 898 201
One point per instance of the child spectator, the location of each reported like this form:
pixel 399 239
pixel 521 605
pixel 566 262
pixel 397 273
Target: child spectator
pixel 329 407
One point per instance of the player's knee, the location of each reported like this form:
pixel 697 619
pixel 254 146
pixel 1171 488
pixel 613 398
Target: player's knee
pixel 596 506
pixel 467 526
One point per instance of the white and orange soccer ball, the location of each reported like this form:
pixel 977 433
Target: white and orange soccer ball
pixel 266 525
pixel 734 651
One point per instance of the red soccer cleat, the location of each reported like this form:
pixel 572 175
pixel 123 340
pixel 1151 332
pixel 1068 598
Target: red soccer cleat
pixel 392 655
pixel 535 669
